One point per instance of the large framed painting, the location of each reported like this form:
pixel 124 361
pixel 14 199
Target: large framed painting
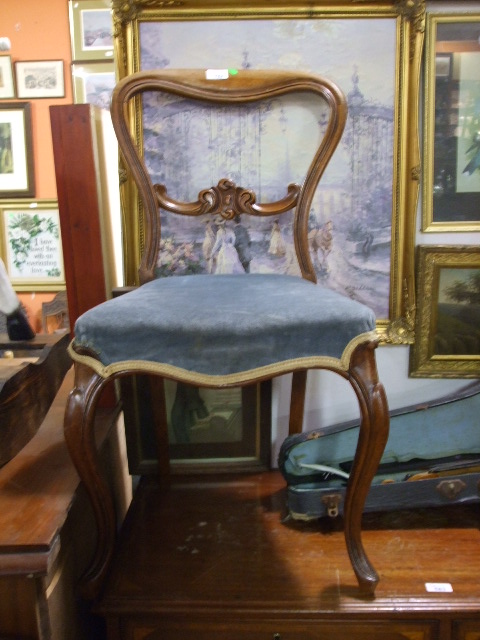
pixel 448 318
pixel 361 225
pixel 451 191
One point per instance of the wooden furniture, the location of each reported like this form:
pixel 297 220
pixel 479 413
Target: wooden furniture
pixel 228 330
pixel 29 379
pixel 55 313
pixel 46 528
pixel 211 558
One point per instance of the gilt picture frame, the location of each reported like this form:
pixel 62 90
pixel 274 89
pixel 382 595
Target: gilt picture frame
pixel 31 245
pixel 17 178
pixel 448 319
pixel 451 186
pixel 146 34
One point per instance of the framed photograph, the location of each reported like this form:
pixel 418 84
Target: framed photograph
pixel 447 341
pixel 91 30
pixel 443 65
pixel 40 79
pixel 367 199
pixel 451 185
pixel 31 244
pixel 16 153
pixel 93 83
pixel 7 86
pixel 214 430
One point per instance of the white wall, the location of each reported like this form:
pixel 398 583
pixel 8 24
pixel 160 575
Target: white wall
pixel 330 398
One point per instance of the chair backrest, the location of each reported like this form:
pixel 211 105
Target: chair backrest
pixel 226 200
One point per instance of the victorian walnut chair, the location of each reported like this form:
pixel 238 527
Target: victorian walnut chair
pixel 232 329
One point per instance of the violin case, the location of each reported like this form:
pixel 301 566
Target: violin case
pixel 432 458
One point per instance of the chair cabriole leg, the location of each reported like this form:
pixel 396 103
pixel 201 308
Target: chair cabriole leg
pixel 79 429
pixel 373 437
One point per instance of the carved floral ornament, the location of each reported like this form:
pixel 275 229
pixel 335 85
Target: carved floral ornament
pixel 227 200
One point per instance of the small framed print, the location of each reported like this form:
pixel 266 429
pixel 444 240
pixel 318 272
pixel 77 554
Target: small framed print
pixel 16 154
pixel 32 245
pixel 91 30
pixel 93 83
pixel 40 79
pixel 7 87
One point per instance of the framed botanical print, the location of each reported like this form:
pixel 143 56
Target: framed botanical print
pixel 451 188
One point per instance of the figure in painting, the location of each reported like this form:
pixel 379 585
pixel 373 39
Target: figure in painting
pixel 321 240
pixel 242 244
pixel 224 254
pixel 6 157
pixel 277 243
pixel 208 243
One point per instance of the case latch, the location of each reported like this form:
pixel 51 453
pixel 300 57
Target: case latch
pixel 451 488
pixel 331 501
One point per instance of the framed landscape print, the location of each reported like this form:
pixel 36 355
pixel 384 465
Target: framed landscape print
pixel 366 202
pixel 16 153
pixel 40 79
pixel 91 30
pixel 31 244
pixel 451 192
pixel 447 341
pixel 93 83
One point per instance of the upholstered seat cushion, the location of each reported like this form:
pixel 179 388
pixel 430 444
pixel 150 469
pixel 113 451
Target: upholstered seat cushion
pixel 223 324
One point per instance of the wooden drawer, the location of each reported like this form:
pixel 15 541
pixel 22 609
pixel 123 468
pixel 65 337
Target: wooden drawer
pixel 466 630
pixel 275 630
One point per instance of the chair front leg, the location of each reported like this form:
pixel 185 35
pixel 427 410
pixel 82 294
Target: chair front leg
pixel 374 427
pixel 79 429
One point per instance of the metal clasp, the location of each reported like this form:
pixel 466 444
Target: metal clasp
pixel 331 501
pixel 451 488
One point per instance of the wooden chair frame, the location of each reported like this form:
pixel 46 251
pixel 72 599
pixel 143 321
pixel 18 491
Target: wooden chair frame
pixel 357 365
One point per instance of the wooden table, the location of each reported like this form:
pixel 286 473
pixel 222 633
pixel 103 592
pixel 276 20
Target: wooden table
pixel 212 557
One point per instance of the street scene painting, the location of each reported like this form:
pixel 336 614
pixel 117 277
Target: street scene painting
pixel 350 227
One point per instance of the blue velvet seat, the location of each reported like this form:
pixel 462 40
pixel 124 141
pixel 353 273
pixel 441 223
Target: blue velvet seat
pixel 229 329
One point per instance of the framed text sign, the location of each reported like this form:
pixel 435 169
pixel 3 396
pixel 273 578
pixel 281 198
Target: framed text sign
pixel 31 246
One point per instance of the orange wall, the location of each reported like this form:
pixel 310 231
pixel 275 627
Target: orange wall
pixel 39 30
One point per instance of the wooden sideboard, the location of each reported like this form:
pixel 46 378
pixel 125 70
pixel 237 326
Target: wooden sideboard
pixel 213 558
pixel 47 530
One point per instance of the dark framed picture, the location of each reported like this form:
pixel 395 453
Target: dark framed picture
pixel 7 86
pixel 16 153
pixel 447 337
pixel 209 430
pixel 91 30
pixel 40 79
pixel 451 184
